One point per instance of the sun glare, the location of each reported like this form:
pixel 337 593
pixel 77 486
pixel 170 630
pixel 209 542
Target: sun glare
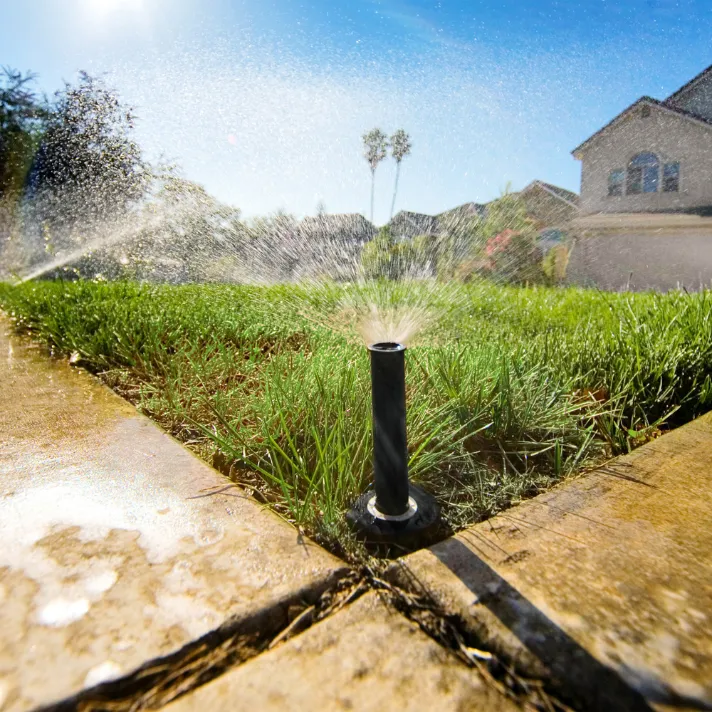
pixel 104 8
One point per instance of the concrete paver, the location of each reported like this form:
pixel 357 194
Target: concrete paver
pixel 118 545
pixel 610 572
pixel 366 657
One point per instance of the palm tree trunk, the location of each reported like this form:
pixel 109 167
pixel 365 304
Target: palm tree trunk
pixel 373 185
pixel 395 190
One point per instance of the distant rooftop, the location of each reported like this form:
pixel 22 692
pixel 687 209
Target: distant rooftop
pixel 336 225
pixel 409 224
pixel 406 224
pixel 567 195
pixel 464 210
pixel 335 219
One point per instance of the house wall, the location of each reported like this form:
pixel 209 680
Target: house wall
pixel 697 99
pixel 671 138
pixel 659 260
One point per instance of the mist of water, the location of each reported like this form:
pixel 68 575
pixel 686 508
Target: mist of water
pixel 111 236
pixel 348 280
pixel 383 287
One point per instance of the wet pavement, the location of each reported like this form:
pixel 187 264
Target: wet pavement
pixel 121 548
pixel 118 545
pixel 365 657
pixel 604 583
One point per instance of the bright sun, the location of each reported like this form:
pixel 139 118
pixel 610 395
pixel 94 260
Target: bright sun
pixel 110 7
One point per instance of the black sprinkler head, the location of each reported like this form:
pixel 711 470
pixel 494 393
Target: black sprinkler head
pixel 393 511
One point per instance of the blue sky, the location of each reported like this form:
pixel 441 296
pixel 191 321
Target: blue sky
pixel 264 101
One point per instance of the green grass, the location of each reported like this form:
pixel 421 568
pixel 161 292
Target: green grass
pixel 518 389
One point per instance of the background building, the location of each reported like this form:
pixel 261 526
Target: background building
pixel 646 195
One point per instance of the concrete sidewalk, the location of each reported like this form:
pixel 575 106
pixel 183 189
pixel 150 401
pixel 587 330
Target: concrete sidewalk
pixel 603 583
pixel 366 657
pixel 118 545
pixel 121 549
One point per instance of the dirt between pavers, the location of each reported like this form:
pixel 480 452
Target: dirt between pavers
pixel 161 681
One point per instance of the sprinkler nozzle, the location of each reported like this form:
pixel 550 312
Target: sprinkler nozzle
pixel 393 511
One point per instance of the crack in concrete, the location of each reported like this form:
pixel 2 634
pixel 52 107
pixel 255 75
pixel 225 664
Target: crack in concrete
pixel 163 680
pixel 417 604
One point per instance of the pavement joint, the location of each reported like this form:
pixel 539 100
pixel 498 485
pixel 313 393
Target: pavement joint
pixel 414 601
pixel 523 678
pixel 161 680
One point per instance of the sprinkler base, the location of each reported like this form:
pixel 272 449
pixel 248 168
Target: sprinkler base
pixel 410 532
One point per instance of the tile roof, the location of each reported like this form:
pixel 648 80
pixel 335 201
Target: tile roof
pixel 685 87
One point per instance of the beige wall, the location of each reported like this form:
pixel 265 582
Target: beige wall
pixel 643 260
pixel 672 138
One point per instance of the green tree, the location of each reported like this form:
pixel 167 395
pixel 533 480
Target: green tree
pixel 386 258
pixel 555 263
pixel 502 246
pixel 187 231
pixel 377 257
pixel 511 237
pixel 400 148
pixel 88 169
pixel 508 212
pixel 375 149
pixel 448 256
pixel 21 123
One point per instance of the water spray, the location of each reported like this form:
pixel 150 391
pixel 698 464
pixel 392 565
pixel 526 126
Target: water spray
pixel 394 511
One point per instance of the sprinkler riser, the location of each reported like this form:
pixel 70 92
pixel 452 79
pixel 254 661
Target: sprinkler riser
pixel 390 444
pixel 393 511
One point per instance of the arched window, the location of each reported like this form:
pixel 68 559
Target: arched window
pixel 643 174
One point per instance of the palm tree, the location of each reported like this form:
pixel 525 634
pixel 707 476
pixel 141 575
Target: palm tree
pixel 400 148
pixel 375 149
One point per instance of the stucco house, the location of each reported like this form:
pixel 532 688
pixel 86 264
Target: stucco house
pixel 646 194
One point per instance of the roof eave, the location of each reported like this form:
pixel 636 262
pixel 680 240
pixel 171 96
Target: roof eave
pixel 689 85
pixel 662 106
pixel 576 153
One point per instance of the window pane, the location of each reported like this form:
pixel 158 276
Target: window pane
pixel 635 180
pixel 644 159
pixel 671 177
pixel 650 179
pixel 615 182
